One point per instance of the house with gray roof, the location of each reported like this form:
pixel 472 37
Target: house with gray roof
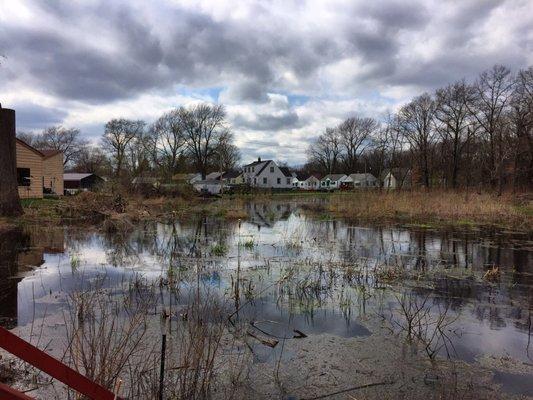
pixel 334 181
pixel 365 180
pixel 267 174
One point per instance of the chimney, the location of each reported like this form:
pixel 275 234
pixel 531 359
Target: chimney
pixel 258 159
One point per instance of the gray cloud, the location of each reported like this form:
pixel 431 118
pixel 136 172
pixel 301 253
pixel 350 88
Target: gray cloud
pixel 267 122
pixel 33 116
pixel 100 52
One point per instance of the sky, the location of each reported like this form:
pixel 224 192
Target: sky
pixel 285 70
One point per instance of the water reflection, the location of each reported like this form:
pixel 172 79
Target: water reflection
pixel 322 293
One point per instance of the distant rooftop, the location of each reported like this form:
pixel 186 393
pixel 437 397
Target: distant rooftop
pixel 75 176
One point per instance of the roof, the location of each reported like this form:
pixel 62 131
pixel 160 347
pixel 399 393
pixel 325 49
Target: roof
pixel 257 162
pixel 363 177
pixel 50 153
pixel 231 174
pixel 285 171
pixel 398 173
pixel 333 177
pixel 208 182
pixel 75 176
pixel 31 148
pixel 266 162
pixel 301 177
pixel 214 176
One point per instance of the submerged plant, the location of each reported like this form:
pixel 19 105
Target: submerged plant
pixel 74 261
pixel 249 244
pixel 219 250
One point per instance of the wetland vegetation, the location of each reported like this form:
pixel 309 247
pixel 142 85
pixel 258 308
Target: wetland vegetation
pixel 274 297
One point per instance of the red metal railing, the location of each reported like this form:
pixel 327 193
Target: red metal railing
pixel 8 393
pixel 51 366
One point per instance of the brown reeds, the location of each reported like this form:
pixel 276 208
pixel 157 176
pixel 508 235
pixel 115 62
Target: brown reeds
pixel 426 207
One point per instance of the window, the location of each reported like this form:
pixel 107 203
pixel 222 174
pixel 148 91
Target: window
pixel 255 181
pixel 288 181
pixel 279 181
pixel 271 170
pixel 253 169
pixel 265 181
pixel 23 176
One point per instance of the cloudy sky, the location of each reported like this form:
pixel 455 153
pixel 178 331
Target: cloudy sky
pixel 284 69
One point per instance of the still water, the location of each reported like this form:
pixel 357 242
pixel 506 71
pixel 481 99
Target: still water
pixel 296 273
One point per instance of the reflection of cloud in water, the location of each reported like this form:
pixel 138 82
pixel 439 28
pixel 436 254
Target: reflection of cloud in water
pixel 281 237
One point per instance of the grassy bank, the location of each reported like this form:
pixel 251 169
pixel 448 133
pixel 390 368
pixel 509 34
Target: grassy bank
pixel 435 207
pixel 96 207
pixel 416 207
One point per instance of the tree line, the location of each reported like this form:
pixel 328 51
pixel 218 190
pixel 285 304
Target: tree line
pixel 195 138
pixel 464 134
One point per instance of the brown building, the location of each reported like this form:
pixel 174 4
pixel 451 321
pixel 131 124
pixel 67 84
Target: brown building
pixel 38 171
pixel 53 171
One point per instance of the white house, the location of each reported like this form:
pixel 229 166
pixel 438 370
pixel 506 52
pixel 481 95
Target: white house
pixel 194 177
pixel 334 181
pixel 396 178
pixel 267 174
pixel 306 182
pixel 298 181
pixel 208 186
pixel 365 180
pixel 233 177
pixel 312 183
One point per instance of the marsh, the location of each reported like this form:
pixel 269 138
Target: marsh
pixel 285 304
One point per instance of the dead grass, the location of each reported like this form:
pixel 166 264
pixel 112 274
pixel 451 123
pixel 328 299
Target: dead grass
pixel 457 208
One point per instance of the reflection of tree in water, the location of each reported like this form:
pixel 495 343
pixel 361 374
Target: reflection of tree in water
pixel 12 243
pixel 169 242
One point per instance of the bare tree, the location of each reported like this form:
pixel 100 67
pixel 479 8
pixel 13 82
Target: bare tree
pixel 355 134
pixel 326 150
pixel 385 143
pixel 492 93
pixel 227 154
pixel 416 122
pixel 118 135
pixel 467 133
pixel 521 117
pixel 66 140
pixel 27 137
pixel 9 196
pixel 169 139
pixel 140 153
pixel 92 160
pixel 454 124
pixel 205 128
